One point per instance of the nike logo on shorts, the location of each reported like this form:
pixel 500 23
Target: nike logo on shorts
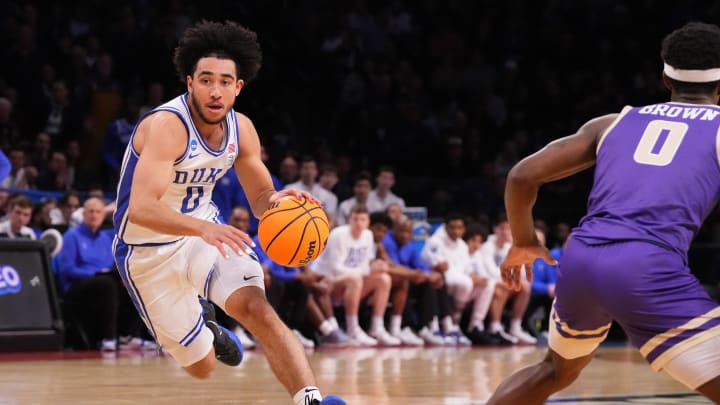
pixel 246 278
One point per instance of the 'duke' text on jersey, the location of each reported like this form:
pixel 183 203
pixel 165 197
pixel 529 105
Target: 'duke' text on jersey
pixel 197 176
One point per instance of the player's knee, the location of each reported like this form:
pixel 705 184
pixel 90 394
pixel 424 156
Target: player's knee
pixel 354 282
pixel 384 280
pixel 247 302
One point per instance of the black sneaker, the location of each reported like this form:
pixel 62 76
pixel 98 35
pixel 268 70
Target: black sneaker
pixel 501 340
pixel 481 338
pixel 228 348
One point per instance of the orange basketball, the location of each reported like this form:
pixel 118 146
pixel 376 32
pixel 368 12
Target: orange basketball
pixel 293 232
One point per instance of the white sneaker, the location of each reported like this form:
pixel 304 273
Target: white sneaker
pixel 408 337
pixel 384 338
pixel 247 342
pixel 360 338
pixel 523 337
pixel 512 339
pixel 108 345
pixel 136 343
pixel 430 338
pixel 307 343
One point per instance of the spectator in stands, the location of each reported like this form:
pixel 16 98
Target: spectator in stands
pixel 361 190
pixel 300 294
pixel 350 265
pixel 494 251
pixel 542 290
pixel 61 119
pixel 87 272
pixel 561 232
pixel 41 216
pixel 427 288
pixel 155 96
pixel 395 212
pixel 401 278
pixel 448 254
pixel 16 179
pixel 18 217
pixel 76 216
pixel 9 133
pixel 288 172
pixel 307 182
pixel 483 293
pixel 330 181
pixel 382 196
pixel 4 203
pixel 117 137
pixel 59 176
pixel 40 155
pixel 68 204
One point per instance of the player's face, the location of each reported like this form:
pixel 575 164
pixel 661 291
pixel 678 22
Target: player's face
pixel 362 189
pixel 474 243
pixel 386 180
pixel 379 230
pixel 502 232
pixel 403 233
pixel 213 88
pixel 94 214
pixel 240 219
pixel 20 216
pixel 455 229
pixel 359 221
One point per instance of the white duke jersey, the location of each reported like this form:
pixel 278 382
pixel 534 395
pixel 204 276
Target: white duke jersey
pixel 193 178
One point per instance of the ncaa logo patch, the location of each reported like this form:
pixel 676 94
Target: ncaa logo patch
pixel 193 145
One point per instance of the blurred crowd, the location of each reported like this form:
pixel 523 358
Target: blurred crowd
pixel 381 104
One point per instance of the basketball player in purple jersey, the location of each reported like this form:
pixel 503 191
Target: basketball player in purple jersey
pixel 170 246
pixel 657 176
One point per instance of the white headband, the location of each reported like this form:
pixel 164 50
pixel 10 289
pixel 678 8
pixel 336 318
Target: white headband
pixel 692 75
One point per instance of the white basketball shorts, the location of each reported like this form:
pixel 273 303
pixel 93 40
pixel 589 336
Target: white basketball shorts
pixel 164 282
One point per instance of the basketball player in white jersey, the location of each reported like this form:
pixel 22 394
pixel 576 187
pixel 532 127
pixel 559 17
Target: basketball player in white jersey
pixel 169 233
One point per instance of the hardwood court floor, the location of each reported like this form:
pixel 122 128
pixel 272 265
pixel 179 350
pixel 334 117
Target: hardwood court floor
pixel 424 376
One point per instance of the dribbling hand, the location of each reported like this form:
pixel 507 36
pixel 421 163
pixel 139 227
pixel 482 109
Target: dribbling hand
pixel 219 235
pixel 292 192
pixel 517 257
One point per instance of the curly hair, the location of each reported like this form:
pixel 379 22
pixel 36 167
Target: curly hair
pixel 227 40
pixel 695 46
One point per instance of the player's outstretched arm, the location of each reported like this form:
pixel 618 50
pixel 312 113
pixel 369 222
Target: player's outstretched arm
pixel 559 159
pixel 160 140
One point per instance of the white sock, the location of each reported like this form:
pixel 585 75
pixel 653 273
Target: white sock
pixel 377 324
pixel 448 325
pixel 352 324
pixel 434 325
pixel 326 327
pixel 395 324
pixel 515 325
pixel 495 326
pixel 307 395
pixel 476 323
pixel 334 322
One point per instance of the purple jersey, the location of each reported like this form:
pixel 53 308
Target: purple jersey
pixel 657 176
